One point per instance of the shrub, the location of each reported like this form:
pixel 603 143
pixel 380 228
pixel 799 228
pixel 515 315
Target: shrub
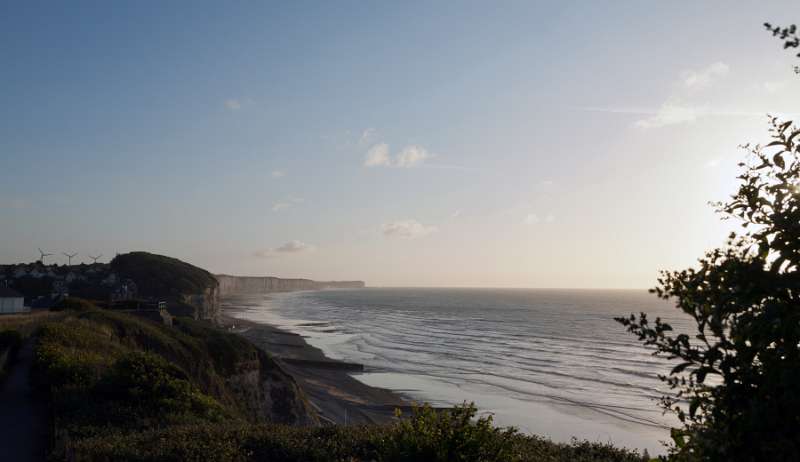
pixel 449 435
pixel 738 376
pixel 149 386
pixel 427 436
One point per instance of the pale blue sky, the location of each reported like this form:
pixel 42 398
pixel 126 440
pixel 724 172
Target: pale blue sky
pixel 525 144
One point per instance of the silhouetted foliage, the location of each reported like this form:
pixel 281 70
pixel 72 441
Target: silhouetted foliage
pixel 736 383
pixel 789 37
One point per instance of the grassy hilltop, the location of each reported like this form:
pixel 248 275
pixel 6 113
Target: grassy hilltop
pixel 158 275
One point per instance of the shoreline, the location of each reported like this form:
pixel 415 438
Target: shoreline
pixel 337 396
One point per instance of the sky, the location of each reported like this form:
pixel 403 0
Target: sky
pixel 487 144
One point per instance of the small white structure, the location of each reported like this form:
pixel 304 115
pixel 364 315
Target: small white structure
pixel 11 301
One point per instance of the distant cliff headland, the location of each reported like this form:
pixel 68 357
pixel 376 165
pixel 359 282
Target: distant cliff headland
pixel 136 276
pixel 263 284
pixel 185 289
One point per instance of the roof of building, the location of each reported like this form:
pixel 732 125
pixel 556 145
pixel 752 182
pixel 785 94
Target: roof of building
pixel 6 292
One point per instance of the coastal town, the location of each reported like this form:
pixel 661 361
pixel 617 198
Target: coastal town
pixel 44 285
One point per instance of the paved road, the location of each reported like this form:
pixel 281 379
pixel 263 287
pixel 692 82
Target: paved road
pixel 23 418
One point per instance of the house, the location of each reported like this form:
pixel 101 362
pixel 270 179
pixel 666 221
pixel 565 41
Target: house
pixel 110 280
pixel 12 301
pixel 73 276
pixel 127 290
pixel 60 289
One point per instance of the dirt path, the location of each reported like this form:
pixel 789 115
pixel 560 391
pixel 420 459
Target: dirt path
pixel 23 418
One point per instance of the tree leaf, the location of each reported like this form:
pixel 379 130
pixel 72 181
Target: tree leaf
pixel 680 367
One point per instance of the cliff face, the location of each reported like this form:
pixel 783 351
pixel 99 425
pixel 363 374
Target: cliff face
pixel 269 394
pixel 256 285
pixel 188 290
pixel 206 304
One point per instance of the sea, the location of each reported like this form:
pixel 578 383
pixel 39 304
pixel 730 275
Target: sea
pixel 548 362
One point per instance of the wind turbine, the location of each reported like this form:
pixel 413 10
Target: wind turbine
pixel 96 258
pixel 70 257
pixel 43 255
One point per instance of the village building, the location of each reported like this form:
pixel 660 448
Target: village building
pixel 11 301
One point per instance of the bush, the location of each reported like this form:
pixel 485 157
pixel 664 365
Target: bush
pixel 427 436
pixel 449 435
pixel 148 386
pixel 736 382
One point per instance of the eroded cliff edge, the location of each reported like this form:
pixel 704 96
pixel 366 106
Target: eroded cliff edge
pixel 229 285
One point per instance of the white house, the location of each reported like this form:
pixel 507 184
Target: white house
pixel 11 301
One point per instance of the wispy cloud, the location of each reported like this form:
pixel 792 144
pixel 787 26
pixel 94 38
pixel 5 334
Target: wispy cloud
pixel 233 104
pixel 698 79
pixel 366 137
pixel 295 246
pixel 406 229
pixel 284 204
pixel 671 114
pixel 291 247
pixel 410 156
pixel 278 206
pixel 674 113
pixel 278 173
pixel 681 106
pixel 677 109
pixel 377 156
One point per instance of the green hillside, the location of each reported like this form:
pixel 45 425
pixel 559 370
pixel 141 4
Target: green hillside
pixel 161 276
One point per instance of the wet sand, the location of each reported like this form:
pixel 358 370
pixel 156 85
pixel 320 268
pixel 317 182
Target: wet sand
pixel 337 396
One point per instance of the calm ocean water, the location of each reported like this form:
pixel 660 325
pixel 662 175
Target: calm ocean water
pixel 550 362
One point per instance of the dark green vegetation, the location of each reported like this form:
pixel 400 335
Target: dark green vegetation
pixel 737 380
pixel 160 276
pixel 427 436
pixel 108 374
pixel 126 389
